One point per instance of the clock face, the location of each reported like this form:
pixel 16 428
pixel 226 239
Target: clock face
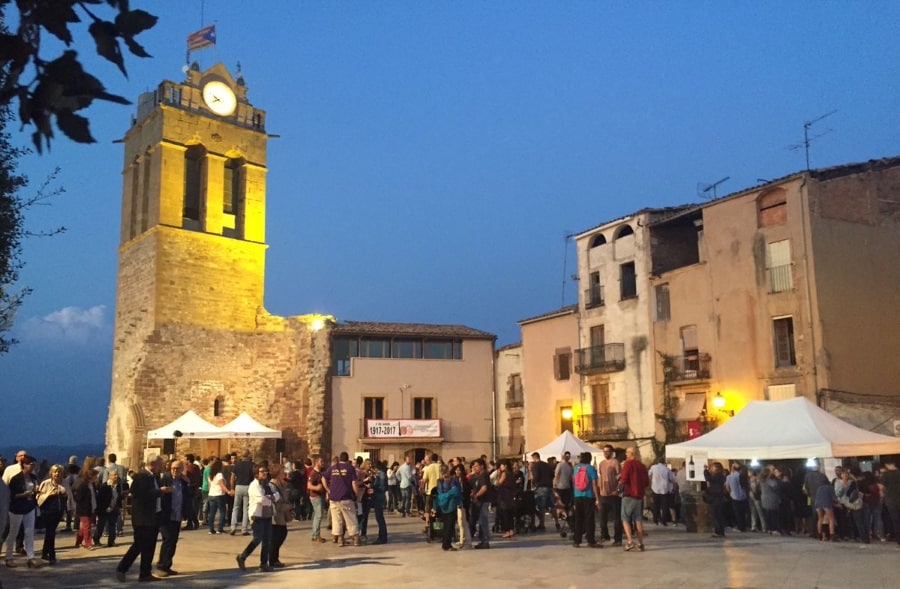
pixel 219 98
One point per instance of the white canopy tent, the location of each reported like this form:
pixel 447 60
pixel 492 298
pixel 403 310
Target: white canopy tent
pixel 567 442
pixel 244 426
pixel 190 425
pixel 793 428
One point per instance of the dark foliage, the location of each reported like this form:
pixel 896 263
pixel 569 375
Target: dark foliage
pixel 60 86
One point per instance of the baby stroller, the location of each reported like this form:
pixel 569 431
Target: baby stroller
pixel 525 512
pixel 562 515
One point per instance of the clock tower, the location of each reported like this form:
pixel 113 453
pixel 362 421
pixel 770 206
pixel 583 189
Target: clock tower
pixel 191 331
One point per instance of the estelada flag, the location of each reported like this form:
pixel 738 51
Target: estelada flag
pixel 205 37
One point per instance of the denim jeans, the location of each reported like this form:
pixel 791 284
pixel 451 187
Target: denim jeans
pixel 241 508
pixel 484 526
pixel 215 504
pixel 405 497
pixel 318 506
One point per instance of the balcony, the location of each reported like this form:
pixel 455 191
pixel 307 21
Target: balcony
pixel 604 427
pixel 690 367
pixel 600 359
pixel 593 297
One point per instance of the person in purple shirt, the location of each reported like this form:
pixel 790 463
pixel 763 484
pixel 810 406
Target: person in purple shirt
pixel 341 486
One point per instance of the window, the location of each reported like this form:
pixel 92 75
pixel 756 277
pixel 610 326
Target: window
pixel 594 294
pixel 343 348
pixel 231 186
pixel 374 348
pixel 597 241
pixel 772 208
pixel 691 354
pixel 662 302
pixel 373 407
pixel 423 408
pixel 598 336
pixel 514 394
pixel 194 163
pixel 778 266
pixel 627 281
pixel 780 392
pixel 783 328
pixel 624 231
pixel 218 406
pixel 406 349
pixel 443 350
pixel 562 364
pixel 600 398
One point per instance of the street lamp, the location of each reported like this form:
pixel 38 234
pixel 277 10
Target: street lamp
pixel 719 403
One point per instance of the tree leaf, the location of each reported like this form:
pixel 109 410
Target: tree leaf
pixel 132 22
pixel 76 127
pixel 135 47
pixel 104 34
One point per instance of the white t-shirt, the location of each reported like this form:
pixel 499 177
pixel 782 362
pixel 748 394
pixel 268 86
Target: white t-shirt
pixel 215 489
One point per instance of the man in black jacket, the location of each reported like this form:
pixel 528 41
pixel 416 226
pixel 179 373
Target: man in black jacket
pixel 146 506
pixel 175 504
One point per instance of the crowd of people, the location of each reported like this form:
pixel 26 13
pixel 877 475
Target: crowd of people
pixel 463 503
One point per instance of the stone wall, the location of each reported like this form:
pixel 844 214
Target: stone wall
pixel 277 375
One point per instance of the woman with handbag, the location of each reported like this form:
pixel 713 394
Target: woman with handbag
pixel 52 497
pixel 262 509
pixel 851 497
pixel 284 512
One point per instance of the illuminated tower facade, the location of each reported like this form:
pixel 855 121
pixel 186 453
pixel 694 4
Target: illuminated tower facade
pixel 191 331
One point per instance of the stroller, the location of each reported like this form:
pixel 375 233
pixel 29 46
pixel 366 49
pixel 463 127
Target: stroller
pixel 562 515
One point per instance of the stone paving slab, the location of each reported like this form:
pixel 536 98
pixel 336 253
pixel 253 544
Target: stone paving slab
pixel 674 558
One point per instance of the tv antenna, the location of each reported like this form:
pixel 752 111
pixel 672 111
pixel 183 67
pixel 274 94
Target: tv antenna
pixel 567 235
pixel 704 189
pixel 807 139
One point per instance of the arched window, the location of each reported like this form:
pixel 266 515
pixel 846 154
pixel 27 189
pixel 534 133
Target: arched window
pixel 771 207
pixel 597 241
pixel 218 406
pixel 624 231
pixel 194 168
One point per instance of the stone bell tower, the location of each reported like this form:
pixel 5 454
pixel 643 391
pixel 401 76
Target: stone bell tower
pixel 191 331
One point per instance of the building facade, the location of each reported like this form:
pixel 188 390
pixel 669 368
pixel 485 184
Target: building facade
pixel 553 397
pixel 783 290
pixel 401 388
pixel 510 402
pixel 190 330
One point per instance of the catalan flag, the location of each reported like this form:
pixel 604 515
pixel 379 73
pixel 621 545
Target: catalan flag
pixel 205 37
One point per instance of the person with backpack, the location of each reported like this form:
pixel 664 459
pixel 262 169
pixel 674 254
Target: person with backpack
pixel 448 500
pixel 586 492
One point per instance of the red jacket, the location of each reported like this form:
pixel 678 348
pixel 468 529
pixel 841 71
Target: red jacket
pixel 635 479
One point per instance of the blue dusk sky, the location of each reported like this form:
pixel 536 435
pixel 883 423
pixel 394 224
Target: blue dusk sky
pixel 433 155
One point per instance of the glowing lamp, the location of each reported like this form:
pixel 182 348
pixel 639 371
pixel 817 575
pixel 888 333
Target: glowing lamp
pixel 567 413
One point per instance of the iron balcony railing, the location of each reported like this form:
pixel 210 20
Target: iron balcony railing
pixel 593 297
pixel 690 367
pixel 605 426
pixel 607 358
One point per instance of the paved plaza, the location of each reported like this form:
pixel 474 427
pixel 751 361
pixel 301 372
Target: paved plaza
pixel 674 558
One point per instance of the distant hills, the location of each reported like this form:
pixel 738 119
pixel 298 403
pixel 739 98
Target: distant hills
pixel 56 454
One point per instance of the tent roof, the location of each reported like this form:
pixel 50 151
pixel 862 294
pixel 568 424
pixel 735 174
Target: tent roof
pixel 244 426
pixel 566 441
pixel 190 425
pixel 793 428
